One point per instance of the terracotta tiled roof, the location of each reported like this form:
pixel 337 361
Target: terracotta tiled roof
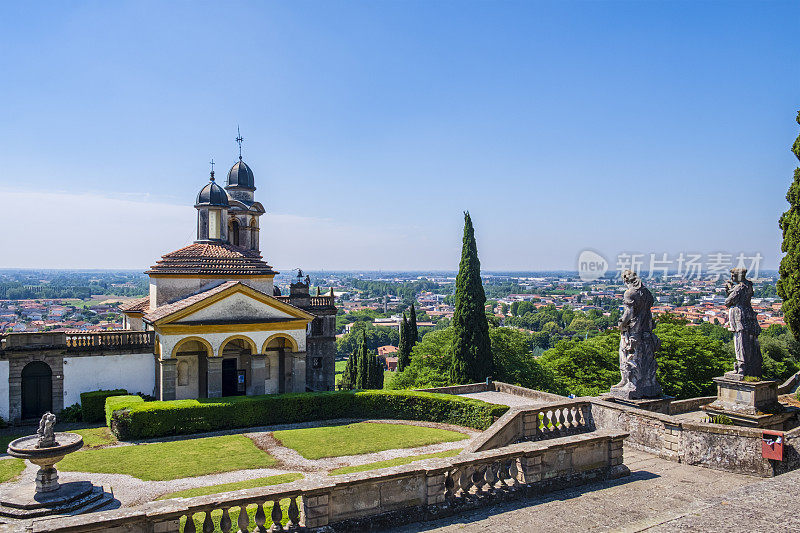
pixel 136 306
pixel 216 259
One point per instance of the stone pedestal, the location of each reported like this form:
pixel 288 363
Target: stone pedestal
pixel 656 405
pixel 749 403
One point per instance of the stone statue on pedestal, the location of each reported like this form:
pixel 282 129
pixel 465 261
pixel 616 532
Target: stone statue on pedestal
pixel 743 322
pixel 46 432
pixel 637 344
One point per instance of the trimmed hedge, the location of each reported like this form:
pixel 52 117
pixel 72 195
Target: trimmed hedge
pixel 180 417
pixel 93 403
pixel 114 403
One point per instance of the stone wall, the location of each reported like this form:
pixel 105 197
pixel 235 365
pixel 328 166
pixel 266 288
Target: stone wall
pixel 388 497
pixel 729 448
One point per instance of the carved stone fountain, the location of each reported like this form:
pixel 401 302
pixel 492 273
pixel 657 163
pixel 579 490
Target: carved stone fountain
pixel 48 496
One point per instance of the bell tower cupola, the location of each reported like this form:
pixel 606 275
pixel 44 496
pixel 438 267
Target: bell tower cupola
pixel 212 212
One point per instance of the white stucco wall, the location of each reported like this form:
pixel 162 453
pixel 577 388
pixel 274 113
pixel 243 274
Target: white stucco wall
pixel 133 372
pixel 4 390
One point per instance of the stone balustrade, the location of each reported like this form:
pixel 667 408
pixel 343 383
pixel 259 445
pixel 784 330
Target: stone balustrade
pixel 380 498
pixel 120 339
pixel 549 421
pixel 77 341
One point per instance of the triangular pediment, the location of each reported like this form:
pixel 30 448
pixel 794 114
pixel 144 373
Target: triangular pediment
pixel 236 302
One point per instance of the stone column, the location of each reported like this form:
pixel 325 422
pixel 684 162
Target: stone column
pixel 169 376
pixel 214 377
pixel 258 373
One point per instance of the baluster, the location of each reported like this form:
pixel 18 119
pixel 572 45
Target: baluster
pixel 478 479
pixel 464 482
pixel 189 525
pixel 490 477
pixel 225 523
pixel 294 515
pixel 277 516
pixel 449 485
pixel 513 472
pixel 244 521
pixel 208 524
pixel 261 518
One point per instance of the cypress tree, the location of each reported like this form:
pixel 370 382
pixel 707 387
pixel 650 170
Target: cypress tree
pixel 349 374
pixel 471 349
pixel 378 383
pixel 412 323
pixel 362 372
pixel 403 349
pixel 789 282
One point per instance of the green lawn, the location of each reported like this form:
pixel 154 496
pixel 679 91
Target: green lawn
pixel 10 468
pixel 94 437
pixel 392 462
pixel 339 366
pixel 161 461
pixel 238 485
pixel 360 438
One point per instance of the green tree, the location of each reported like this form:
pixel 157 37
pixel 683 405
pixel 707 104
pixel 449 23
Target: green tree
pixel 404 348
pixel 412 324
pixel 362 371
pixel 471 349
pixel 347 381
pixel 789 282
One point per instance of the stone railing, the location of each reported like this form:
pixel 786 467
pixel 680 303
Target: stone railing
pixel 77 341
pixel 117 339
pixel 323 301
pixel 377 499
pixel 550 421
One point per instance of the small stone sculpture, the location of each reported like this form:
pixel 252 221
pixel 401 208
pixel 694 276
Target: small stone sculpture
pixel 638 344
pixel 743 322
pixel 46 433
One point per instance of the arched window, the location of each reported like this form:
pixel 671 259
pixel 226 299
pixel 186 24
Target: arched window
pixel 234 232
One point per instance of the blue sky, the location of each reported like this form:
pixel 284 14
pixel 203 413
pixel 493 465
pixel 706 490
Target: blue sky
pixel 370 126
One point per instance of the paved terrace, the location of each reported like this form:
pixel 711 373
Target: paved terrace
pixel 659 496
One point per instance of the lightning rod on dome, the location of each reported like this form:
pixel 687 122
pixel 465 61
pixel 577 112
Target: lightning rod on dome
pixel 239 140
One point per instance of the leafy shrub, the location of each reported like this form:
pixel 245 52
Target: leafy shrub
pixel 114 403
pixel 138 420
pixel 73 413
pixel 93 403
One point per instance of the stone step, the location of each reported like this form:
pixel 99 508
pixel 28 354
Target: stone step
pixel 96 499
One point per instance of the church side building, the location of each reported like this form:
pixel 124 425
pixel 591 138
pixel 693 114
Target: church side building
pixel 212 325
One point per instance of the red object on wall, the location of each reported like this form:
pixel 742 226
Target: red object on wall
pixel 772 445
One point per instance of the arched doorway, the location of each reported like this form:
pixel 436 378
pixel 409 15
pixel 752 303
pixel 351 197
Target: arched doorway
pixel 236 353
pixel 37 389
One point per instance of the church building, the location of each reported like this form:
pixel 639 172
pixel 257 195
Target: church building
pixel 213 324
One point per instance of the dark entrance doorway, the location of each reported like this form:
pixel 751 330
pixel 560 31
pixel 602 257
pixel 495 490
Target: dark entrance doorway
pixel 37 389
pixel 230 378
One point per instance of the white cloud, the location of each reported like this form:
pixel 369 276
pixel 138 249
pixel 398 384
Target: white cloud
pixel 68 230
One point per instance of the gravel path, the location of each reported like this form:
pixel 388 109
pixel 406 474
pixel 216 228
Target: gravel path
pixel 502 398
pixel 133 491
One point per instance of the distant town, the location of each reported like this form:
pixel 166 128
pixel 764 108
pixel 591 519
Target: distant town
pixel 35 301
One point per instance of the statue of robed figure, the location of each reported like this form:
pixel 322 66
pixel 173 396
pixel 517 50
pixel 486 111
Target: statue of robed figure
pixel 743 322
pixel 638 344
